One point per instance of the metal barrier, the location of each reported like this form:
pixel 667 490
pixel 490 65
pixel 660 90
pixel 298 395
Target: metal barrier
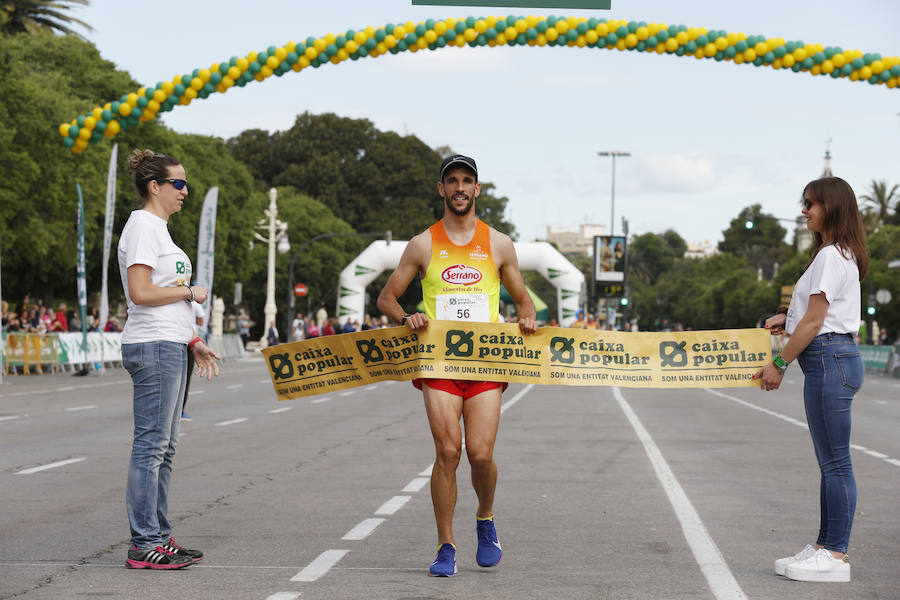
pixel 30 351
pixel 227 345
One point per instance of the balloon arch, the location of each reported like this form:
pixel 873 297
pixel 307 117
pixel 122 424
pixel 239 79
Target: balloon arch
pixel 145 103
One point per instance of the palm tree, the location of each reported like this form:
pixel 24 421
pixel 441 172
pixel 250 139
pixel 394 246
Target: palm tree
pixel 32 16
pixel 879 200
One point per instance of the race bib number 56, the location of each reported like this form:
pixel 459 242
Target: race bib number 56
pixel 462 307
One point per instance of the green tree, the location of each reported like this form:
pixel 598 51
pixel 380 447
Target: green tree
pixel 761 245
pixel 372 179
pixel 878 202
pixel 651 254
pixel 39 16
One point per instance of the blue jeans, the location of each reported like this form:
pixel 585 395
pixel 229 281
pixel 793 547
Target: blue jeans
pixel 834 372
pixel 158 371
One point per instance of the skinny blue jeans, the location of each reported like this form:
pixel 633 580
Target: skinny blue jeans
pixel 158 371
pixel 834 373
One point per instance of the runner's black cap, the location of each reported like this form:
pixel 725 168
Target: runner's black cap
pixel 458 160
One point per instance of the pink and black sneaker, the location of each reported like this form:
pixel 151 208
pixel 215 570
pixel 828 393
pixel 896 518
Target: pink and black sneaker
pixel 174 548
pixel 156 558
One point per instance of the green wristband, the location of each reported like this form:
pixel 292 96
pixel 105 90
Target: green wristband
pixel 779 363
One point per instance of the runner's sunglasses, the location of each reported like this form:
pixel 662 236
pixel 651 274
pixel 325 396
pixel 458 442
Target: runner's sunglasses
pixel 178 184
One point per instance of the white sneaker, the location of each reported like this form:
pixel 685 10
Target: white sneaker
pixel 821 566
pixel 781 563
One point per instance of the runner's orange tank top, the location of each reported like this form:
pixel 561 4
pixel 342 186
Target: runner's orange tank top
pixel 461 282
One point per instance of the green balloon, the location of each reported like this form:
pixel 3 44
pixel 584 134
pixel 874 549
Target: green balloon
pixel 68 142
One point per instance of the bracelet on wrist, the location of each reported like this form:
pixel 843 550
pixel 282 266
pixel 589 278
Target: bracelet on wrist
pixel 780 364
pixel 193 343
pixel 191 290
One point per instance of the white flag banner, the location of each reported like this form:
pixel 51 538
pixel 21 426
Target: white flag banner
pixel 206 248
pixel 107 232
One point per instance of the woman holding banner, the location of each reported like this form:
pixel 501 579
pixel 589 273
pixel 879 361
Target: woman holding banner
pixel 155 345
pixel 822 319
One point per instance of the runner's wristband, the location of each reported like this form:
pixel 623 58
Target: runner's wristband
pixel 780 364
pixel 404 318
pixel 193 343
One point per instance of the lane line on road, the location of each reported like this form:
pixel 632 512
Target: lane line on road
pixel 9 418
pixel 427 471
pixel 345 393
pixel 265 381
pixel 416 484
pixel 392 505
pixel 60 463
pixel 234 386
pixel 275 411
pixel 719 577
pixel 320 400
pixel 231 422
pixel 872 453
pixel 195 392
pixel 362 529
pixel 77 408
pixel 284 596
pixel 320 565
pixel 369 388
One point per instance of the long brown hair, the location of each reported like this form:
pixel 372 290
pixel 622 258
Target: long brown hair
pixel 842 224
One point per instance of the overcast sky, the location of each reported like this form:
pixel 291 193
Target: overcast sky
pixel 706 138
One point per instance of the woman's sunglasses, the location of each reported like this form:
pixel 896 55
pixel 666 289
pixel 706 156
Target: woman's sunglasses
pixel 178 184
pixel 807 203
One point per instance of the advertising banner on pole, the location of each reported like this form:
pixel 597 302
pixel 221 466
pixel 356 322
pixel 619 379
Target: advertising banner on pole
pixel 206 248
pixel 107 233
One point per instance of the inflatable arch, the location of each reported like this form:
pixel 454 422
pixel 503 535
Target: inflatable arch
pixel 654 38
pixel 381 256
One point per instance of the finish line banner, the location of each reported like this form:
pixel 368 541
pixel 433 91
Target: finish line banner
pixel 499 352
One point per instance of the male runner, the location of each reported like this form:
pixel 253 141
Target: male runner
pixel 461 262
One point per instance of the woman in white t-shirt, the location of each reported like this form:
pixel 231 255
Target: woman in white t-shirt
pixel 157 338
pixel 823 318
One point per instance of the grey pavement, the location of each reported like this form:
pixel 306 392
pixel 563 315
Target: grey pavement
pixel 722 483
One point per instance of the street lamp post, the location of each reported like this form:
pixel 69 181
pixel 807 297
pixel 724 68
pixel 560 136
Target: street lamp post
pixel 276 234
pixel 612 202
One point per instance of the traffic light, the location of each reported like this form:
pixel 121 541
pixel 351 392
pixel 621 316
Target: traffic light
pixel 623 301
pixel 748 224
pixel 871 310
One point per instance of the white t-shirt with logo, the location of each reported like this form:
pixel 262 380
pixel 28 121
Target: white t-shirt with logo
pixel 145 240
pixel 835 274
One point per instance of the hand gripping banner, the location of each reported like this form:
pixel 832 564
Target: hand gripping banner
pixel 499 352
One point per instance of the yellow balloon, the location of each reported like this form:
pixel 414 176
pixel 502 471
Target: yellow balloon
pixel 749 55
pixel 330 38
pixel 90 122
pixel 642 33
pixel 470 35
pixel 320 45
pixel 399 32
pixel 204 75
pixel 551 34
pixel 799 54
pixel 760 48
pixel 389 41
pixel 84 133
pixel 562 26
pixel 64 129
pixel 112 128
pixel 520 26
pixel 124 109
pixel 196 84
pixel 421 43
pixel 131 98
pixel 591 36
pixel 430 36
pixel 788 61
pixel 310 54
pixel 721 43
pixel 190 93
pixel 671 45
pixel 280 54
pixel 682 38
pixel 242 64
pixel 440 27
pixel 153 106
pixel 865 72
pixel 631 40
pixel 265 71
pixel 97 113
pixel 168 87
pixel 602 29
pixel 342 54
pixel 272 62
pixel 709 50
pixel 351 46
pixel 877 67
pixel 360 38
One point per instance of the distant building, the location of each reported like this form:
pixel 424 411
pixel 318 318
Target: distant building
pixel 701 250
pixel 575 241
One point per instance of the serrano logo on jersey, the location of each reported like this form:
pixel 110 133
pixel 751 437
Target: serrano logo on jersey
pixel 461 275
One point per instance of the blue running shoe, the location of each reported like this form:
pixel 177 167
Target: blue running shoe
pixel 444 564
pixel 489 551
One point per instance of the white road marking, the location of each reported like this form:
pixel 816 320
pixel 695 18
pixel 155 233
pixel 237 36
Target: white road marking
pixel 10 418
pixel 319 400
pixel 427 471
pixel 509 403
pixel 345 393
pixel 389 382
pixel 320 565
pixel 416 484
pixel 721 581
pixel 284 596
pixel 370 387
pixel 281 410
pixel 195 392
pixel 234 387
pixel 881 402
pixel 872 453
pixel 363 529
pixel 86 407
pixel 60 463
pixel 265 381
pixel 67 388
pixel 231 422
pixel 392 505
